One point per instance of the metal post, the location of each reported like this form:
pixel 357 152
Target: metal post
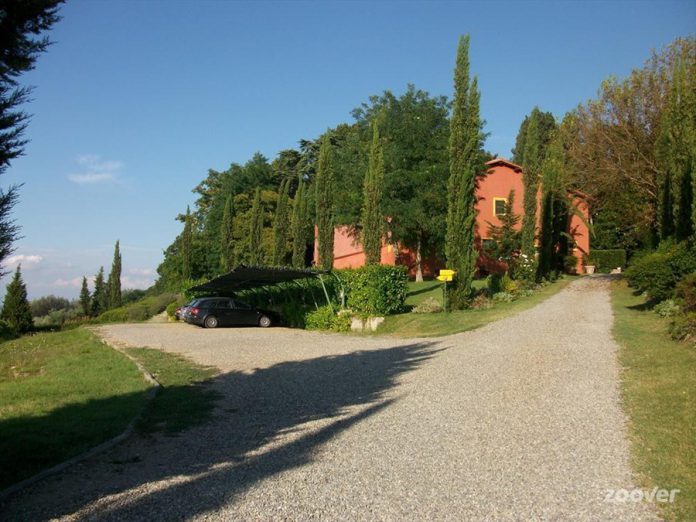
pixel 445 299
pixel 326 294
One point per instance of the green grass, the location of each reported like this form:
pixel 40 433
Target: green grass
pixel 419 292
pixel 659 393
pixel 432 325
pixel 66 392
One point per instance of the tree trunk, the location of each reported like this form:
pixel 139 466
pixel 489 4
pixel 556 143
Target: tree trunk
pixel 419 267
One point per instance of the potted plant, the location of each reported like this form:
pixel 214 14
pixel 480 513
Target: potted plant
pixel 589 263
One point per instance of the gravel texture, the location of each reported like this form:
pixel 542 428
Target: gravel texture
pixel 519 420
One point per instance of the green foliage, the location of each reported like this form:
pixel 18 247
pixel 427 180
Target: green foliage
pixel 256 231
pixel 570 264
pixel 16 310
pixel 505 238
pixel 667 209
pixel 7 332
pixel 171 308
pixel 326 319
pixel 227 254
pixel 508 285
pixel 375 289
pixel 99 297
pixel 280 226
pixel 47 304
pixel 658 273
pixel 685 291
pixel 503 297
pixel 667 308
pixel 683 328
pixel 429 305
pixel 372 217
pixel 300 226
pixel 138 311
pixel 466 145
pixel 85 298
pixel 187 246
pixel 323 187
pixel 609 259
pixel 114 281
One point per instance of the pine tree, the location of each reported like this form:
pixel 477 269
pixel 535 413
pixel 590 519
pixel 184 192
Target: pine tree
pixel 99 297
pixel 187 246
pixel 323 185
pixel 15 309
pixel 298 227
pixel 466 142
pixel 114 281
pixel 518 151
pixel 372 201
pixel 667 209
pixel 227 254
pixel 505 237
pixel 85 298
pixel 280 225
pixel 256 230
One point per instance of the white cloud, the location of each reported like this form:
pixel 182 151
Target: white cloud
pixel 27 261
pixel 75 282
pixel 141 271
pixel 128 282
pixel 96 170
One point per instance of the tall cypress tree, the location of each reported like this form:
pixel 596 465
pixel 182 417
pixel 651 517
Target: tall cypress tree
pixel 99 297
pixel 518 151
pixel 685 224
pixel 373 188
pixel 255 232
pixel 187 246
pixel 114 286
pixel 667 207
pixel 466 142
pixel 227 256
pixel 85 299
pixel 323 186
pixel 280 225
pixel 15 309
pixel 298 227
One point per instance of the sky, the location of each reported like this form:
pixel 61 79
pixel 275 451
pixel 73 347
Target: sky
pixel 136 100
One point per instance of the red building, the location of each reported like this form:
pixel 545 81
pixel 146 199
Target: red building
pixel 492 192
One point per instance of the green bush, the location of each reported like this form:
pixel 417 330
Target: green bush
pixel 508 285
pixel 428 306
pixel 686 292
pixel 171 308
pixel 6 331
pixel 683 328
pixel 657 274
pixel 138 311
pixel 607 260
pixel 503 297
pixel 570 264
pixel 326 319
pixel 493 283
pixel 375 289
pixel 667 308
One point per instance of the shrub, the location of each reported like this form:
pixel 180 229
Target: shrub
pixel 428 306
pixel 171 308
pixel 324 318
pixel 503 297
pixel 508 285
pixel 6 331
pixel 658 273
pixel 481 302
pixel 667 308
pixel 683 327
pixel 375 289
pixel 493 283
pixel 607 260
pixel 138 311
pixel 686 292
pixel 524 268
pixel 570 264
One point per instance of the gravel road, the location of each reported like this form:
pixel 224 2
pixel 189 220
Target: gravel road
pixel 519 420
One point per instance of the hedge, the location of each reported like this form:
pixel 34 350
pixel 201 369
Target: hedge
pixel 607 260
pixel 375 289
pixel 658 273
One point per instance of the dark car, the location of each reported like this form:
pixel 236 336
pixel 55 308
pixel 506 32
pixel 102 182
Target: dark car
pixel 212 312
pixel 179 313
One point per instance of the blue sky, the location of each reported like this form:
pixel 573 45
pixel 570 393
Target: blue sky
pixel 135 101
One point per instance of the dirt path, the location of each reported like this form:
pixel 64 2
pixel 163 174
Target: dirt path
pixel 518 420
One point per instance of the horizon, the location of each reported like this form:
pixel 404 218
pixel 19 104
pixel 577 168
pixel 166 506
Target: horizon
pixel 124 128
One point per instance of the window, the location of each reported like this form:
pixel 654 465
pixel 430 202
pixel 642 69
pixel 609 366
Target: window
pixel 499 206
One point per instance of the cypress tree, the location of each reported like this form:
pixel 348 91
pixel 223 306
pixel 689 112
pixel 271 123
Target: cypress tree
pixel 256 229
pixel 372 202
pixel 685 224
pixel 15 309
pixel 227 256
pixel 114 286
pixel 85 300
pixel 99 297
pixel 280 225
pixel 667 221
pixel 532 164
pixel 505 237
pixel 465 165
pixel 298 227
pixel 323 185
pixel 518 151
pixel 186 246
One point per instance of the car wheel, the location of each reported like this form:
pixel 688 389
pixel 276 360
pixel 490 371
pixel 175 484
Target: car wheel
pixel 211 322
pixel 264 321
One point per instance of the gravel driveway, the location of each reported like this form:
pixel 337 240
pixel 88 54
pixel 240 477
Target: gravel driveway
pixel 518 420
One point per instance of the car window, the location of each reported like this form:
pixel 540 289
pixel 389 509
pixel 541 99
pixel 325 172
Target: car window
pixel 241 305
pixel 222 303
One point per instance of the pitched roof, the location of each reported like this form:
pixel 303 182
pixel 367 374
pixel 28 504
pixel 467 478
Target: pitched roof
pixel 503 161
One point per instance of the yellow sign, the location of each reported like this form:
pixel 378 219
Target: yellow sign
pixel 447 272
pixel 445 278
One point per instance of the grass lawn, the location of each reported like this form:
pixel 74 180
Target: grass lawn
pixel 659 394
pixel 63 393
pixel 419 292
pixel 431 325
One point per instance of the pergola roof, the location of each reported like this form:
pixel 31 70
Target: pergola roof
pixel 247 277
